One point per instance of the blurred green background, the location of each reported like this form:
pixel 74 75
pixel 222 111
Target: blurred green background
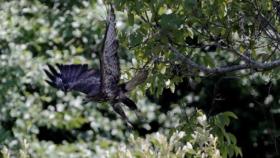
pixel 36 120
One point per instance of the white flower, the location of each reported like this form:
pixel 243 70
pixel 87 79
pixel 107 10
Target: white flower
pixel 181 134
pixel 202 120
pixel 122 148
pixel 188 148
pixel 75 24
pixel 217 154
pixel 194 135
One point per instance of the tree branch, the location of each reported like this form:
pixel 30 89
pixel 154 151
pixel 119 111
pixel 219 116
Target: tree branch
pixel 225 69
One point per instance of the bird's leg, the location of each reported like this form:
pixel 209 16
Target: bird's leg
pixel 131 105
pixel 118 109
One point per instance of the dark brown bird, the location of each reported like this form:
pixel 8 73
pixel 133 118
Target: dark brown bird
pixel 99 85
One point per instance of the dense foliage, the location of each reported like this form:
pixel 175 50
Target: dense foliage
pixel 194 51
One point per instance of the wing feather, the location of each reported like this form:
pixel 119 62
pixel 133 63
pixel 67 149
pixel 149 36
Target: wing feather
pixel 74 78
pixel 109 60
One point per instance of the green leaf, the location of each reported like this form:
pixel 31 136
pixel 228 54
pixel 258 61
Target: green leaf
pixel 230 114
pixel 130 18
pixel 221 9
pixel 208 60
pixel 238 151
pixel 190 32
pixel 170 21
pixel 232 138
pixel 135 39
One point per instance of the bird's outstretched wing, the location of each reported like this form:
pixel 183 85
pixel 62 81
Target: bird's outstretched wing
pixel 109 61
pixel 74 78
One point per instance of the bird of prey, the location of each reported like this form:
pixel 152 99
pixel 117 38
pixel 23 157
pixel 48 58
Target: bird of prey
pixel 99 85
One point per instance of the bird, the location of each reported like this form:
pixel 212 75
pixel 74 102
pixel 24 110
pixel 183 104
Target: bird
pixel 99 85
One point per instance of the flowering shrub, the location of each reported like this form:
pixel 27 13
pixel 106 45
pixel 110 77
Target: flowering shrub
pixel 201 142
pixel 33 33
